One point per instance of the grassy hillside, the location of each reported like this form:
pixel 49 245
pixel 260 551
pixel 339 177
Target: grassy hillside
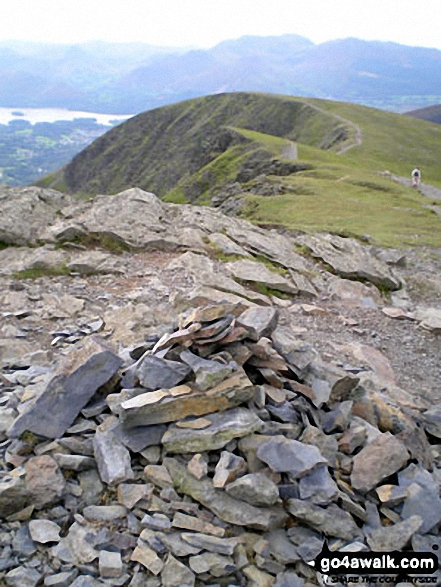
pixel 230 147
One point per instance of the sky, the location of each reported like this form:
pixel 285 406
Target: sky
pixel 204 23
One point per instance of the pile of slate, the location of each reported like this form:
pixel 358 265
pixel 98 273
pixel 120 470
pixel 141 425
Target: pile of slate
pixel 224 452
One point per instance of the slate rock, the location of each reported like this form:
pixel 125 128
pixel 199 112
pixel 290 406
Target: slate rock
pixel 156 373
pixel 175 405
pixel 175 573
pixel 211 543
pixel 215 564
pixel 222 505
pixel 255 488
pixel 76 380
pixel 285 455
pixel 147 557
pixel 224 427
pixel 23 543
pixel 64 579
pixel 384 456
pixel 14 495
pixel 208 373
pixel 318 486
pixel 259 321
pixel 228 468
pixel 432 421
pixel 44 480
pixel 43 531
pixel 22 577
pixel 425 503
pixel 110 564
pixel 332 521
pixel 139 438
pixel 112 458
pixel 289 579
pixel 394 537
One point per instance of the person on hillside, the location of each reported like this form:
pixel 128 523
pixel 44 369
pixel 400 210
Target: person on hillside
pixel 416 177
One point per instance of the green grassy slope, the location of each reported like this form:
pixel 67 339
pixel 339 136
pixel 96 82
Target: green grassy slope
pixel 241 145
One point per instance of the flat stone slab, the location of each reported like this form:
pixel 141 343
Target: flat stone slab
pixel 146 409
pixel 384 456
pixel 332 521
pixel 79 376
pixel 225 426
pixel 222 505
pixel 290 456
pixel 394 537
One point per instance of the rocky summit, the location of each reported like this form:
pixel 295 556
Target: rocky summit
pixel 187 399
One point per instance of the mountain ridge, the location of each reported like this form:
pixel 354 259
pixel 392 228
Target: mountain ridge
pixel 137 77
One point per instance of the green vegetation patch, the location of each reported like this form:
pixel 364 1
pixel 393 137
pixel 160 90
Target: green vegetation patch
pixel 42 272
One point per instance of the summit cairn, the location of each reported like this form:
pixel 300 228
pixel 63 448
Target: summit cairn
pixel 211 457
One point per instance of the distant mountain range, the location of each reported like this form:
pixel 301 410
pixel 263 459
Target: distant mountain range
pixel 131 78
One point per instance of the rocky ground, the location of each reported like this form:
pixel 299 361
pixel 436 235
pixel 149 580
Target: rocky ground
pixel 323 343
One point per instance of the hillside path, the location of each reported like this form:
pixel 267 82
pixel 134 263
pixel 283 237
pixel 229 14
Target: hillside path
pixel 426 190
pixel 358 134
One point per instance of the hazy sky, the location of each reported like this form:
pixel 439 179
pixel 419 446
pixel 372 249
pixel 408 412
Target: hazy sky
pixel 206 22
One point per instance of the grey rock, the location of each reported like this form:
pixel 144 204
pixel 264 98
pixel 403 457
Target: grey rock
pixel 424 503
pixel 104 513
pixel 215 564
pixel 76 380
pixel 85 581
pixel 74 462
pixel 183 401
pixel 140 437
pixel 147 557
pixel 332 521
pixel 259 322
pixel 156 522
pixel 382 457
pixel 297 353
pixel 394 537
pixel 26 213
pixel 255 488
pixel 91 486
pixel 228 468
pixel 112 458
pixel 14 495
pixel 44 480
pixel 254 272
pixel 176 573
pixel 281 548
pixel 350 259
pixel 329 383
pixel 208 373
pixel 224 427
pixel 174 544
pixel 210 543
pixel 289 579
pixel 110 564
pixel 23 543
pixel 326 443
pixel 221 504
pixel 432 421
pixel 156 373
pixel 285 455
pixel 318 486
pixel 64 579
pixel 22 577
pixel 44 531
pixel 80 541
